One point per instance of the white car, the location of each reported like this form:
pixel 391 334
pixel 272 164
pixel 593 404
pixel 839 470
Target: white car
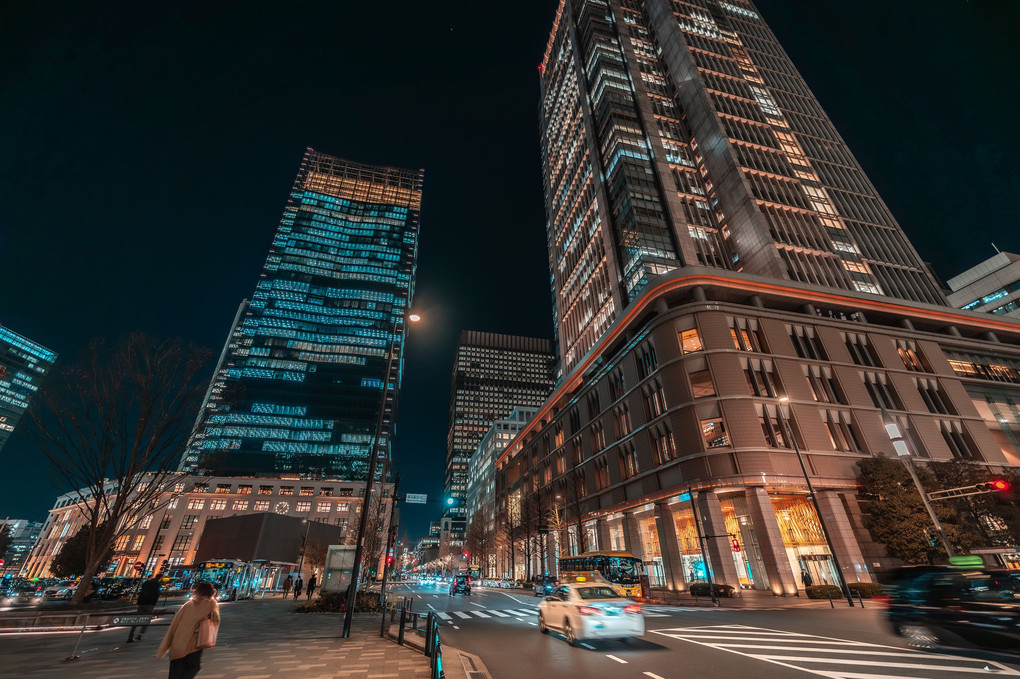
pixel 582 611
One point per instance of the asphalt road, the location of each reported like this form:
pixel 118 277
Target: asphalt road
pixel 500 626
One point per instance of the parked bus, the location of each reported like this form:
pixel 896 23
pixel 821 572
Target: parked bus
pixel 621 570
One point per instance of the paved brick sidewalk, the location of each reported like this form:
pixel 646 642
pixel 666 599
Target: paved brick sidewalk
pixel 259 639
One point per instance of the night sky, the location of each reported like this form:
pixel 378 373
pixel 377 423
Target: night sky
pixel 147 149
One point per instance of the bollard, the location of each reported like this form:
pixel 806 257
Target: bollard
pixel 829 593
pixel 400 633
pixel 74 651
pixel 860 598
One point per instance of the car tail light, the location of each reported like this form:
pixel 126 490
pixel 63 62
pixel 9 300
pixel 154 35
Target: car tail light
pixel 633 608
pixel 588 610
pixel 881 600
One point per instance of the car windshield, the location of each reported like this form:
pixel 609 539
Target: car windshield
pixel 597 593
pixel 623 570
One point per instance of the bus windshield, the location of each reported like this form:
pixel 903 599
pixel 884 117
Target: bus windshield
pixel 621 570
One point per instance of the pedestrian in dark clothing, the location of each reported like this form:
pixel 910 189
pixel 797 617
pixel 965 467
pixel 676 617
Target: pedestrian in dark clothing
pixel 286 587
pixel 297 587
pixel 806 578
pixel 148 597
pixel 311 586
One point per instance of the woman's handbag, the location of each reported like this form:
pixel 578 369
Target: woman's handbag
pixel 206 632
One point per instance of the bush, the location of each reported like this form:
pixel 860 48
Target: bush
pixel 332 602
pixel 722 591
pixel 865 589
pixel 823 591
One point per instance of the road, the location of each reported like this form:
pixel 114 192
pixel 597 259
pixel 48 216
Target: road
pixel 500 626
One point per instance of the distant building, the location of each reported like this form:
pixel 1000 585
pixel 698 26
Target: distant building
pixel 993 286
pixel 171 533
pixel 492 374
pixel 23 365
pixel 481 490
pixel 301 379
pixel 23 534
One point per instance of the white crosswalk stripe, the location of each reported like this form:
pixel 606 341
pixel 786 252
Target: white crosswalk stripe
pixel 481 614
pixel 444 616
pixel 833 658
pixel 462 614
pixel 499 614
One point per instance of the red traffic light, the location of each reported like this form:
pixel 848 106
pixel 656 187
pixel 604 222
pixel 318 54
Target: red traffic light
pixel 999 484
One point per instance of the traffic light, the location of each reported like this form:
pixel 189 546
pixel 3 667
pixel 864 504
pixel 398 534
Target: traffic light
pixel 999 485
pixel 466 555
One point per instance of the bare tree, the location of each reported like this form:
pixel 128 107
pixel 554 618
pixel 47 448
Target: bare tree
pixel 479 542
pixel 375 535
pixel 114 426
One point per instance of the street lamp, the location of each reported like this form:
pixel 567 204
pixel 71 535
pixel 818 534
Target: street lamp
pixel 788 431
pixel 903 453
pixel 352 590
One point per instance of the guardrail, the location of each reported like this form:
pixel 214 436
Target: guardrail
pixel 410 620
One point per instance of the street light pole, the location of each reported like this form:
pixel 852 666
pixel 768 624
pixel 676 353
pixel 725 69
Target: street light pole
pixel 391 535
pixel 304 542
pixel 903 452
pixel 352 590
pixel 788 431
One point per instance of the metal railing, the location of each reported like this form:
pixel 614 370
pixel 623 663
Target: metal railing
pixel 410 620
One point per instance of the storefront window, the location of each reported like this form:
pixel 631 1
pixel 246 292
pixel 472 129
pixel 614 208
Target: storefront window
pixel 804 540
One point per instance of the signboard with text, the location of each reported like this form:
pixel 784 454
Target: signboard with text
pixel 416 498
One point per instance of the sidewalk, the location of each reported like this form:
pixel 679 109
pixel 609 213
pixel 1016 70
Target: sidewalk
pixel 259 639
pixel 749 599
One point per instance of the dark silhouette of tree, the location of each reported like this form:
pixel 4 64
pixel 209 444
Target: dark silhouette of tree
pixel 73 558
pixel 996 515
pixel 5 539
pixel 114 425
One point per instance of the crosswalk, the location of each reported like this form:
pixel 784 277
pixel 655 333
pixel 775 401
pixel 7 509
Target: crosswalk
pixel 531 612
pixel 831 657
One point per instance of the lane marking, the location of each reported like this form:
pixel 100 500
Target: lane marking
pixel 590 648
pixel 431 606
pixel 499 614
pixel 619 660
pixel 461 614
pixel 479 605
pixel 514 598
pixel 444 616
pixel 455 627
pixel 534 624
pixel 653 675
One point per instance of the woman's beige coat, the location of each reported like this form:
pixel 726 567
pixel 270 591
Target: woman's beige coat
pixel 180 638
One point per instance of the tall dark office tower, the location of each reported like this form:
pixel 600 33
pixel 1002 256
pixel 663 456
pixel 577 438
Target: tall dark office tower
pixel 679 133
pixel 301 378
pixel 492 374
pixel 23 365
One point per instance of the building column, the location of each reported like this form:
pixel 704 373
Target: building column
pixel 843 539
pixel 717 541
pixel 602 528
pixel 782 579
pixel 752 550
pixel 672 563
pixel 632 535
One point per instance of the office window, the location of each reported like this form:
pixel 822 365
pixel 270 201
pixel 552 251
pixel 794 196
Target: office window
pixel 561 463
pixel 621 421
pixel 598 437
pixel 139 541
pixel 593 405
pixel 265 490
pixel 616 385
pixel 346 492
pixel 701 378
pixel 120 544
pixel 223 488
pixel 326 491
pixel 760 379
pixel 189 521
pixel 655 400
pixel 713 431
pixel 933 397
pixel 304 507
pixel 646 360
pixel 912 360
pixel 580 485
pixel 663 445
pixel 628 462
pixel 244 490
pixel 181 543
pixel 344 507
pixel 262 505
pixel 307 491
pixel 745 334
pixel 690 341
pixel 145 522
pixel 773 426
pixel 165 523
pixel 195 503
pixel 860 351
pixel 240 505
pixel 824 388
pixel 286 490
pixel 576 451
pixel 842 432
pixel 805 343
pixel 960 444
pixel 881 393
pixel 601 473
pixel 158 544
pixel 200 488
pixel 217 505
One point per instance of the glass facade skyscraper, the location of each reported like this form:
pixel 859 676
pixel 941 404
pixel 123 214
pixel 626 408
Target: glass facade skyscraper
pixel 492 375
pixel 302 376
pixel 678 133
pixel 23 365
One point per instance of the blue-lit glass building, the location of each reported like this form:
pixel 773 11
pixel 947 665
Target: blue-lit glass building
pixel 23 365
pixel 300 381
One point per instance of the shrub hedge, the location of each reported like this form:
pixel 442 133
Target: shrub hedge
pixel 701 589
pixel 331 602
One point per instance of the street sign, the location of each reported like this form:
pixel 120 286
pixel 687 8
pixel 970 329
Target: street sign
pixel 416 498
pixel 138 566
pixel 132 620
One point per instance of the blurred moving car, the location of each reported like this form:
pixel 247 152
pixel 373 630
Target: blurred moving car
pixel 23 594
pixel 63 590
pixel 932 606
pixel 544 586
pixel 461 585
pixel 590 612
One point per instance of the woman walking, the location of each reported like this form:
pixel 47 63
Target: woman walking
pixel 182 639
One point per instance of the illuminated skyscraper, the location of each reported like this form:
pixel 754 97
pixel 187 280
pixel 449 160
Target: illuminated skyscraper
pixel 679 133
pixel 301 378
pixel 492 375
pixel 23 365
